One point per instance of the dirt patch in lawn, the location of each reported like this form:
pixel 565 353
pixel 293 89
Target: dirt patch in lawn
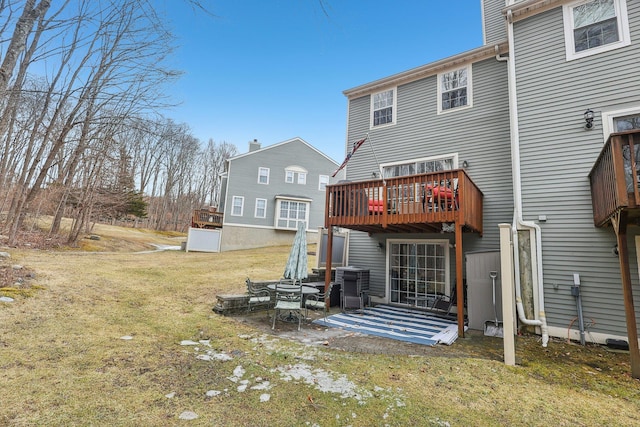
pixel 474 343
pixel 558 355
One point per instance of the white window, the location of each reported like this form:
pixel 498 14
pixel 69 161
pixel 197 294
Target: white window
pixel 289 176
pixel 620 120
pixel 595 26
pixel 290 212
pixel 383 108
pixel 237 206
pixel 630 122
pixel 263 175
pixel 454 89
pixel 261 208
pixel 419 166
pixel 406 193
pixel 322 182
pixel 295 174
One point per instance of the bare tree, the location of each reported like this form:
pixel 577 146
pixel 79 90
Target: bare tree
pixel 83 138
pixel 110 67
pixel 215 155
pixel 31 12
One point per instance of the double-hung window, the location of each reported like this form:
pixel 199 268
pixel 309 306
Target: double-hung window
pixel 237 206
pixel 383 108
pixel 323 181
pixel 261 208
pixel 289 175
pixel 595 26
pixel 454 89
pixel 263 175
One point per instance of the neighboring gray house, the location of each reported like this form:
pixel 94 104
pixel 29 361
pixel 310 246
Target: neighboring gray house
pixel 267 191
pixel 503 134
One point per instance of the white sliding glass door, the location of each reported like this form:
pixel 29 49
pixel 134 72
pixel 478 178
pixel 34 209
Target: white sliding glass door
pixel 418 271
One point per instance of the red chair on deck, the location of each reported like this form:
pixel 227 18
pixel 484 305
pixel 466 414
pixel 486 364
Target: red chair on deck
pixel 376 206
pixel 441 197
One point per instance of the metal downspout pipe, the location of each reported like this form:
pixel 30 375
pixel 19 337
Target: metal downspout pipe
pixel 518 221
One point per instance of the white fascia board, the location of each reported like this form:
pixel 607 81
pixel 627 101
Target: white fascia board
pixel 432 68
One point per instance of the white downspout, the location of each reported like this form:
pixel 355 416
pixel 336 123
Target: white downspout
pixel 518 221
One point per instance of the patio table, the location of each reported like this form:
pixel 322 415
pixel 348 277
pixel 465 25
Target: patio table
pixel 306 290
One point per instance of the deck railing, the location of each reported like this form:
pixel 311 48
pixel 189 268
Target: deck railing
pixel 421 202
pixel 614 177
pixel 205 218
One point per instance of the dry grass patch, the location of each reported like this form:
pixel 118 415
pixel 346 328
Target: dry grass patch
pixel 67 359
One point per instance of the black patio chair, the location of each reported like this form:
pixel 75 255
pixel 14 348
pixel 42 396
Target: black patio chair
pixel 318 301
pixel 258 296
pixel 443 304
pixel 288 300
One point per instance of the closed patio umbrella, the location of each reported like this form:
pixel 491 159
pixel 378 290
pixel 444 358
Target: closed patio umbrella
pixel 296 267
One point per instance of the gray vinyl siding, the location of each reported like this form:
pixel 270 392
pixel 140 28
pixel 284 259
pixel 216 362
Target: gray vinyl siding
pixel 479 135
pixel 243 181
pixel 223 194
pixel 493 21
pixel 557 154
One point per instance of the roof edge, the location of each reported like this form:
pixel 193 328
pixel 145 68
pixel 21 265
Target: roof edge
pixel 523 9
pixel 277 144
pixel 423 71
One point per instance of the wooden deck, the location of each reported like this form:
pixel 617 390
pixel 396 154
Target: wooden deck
pixel 424 203
pixel 614 179
pixel 205 218
pixel 408 204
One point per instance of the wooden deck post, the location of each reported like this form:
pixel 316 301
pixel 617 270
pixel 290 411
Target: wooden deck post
pixel 459 279
pixel 619 222
pixel 327 266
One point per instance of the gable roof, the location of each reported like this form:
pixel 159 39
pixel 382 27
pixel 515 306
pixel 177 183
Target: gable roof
pixel 288 141
pixel 432 68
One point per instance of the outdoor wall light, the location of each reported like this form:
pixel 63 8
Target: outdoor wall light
pixel 465 164
pixel 380 245
pixel 588 118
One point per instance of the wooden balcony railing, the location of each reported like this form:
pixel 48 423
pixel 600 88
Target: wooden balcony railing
pixel 206 218
pixel 614 177
pixel 415 203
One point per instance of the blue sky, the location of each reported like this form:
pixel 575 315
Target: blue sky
pixel 275 69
